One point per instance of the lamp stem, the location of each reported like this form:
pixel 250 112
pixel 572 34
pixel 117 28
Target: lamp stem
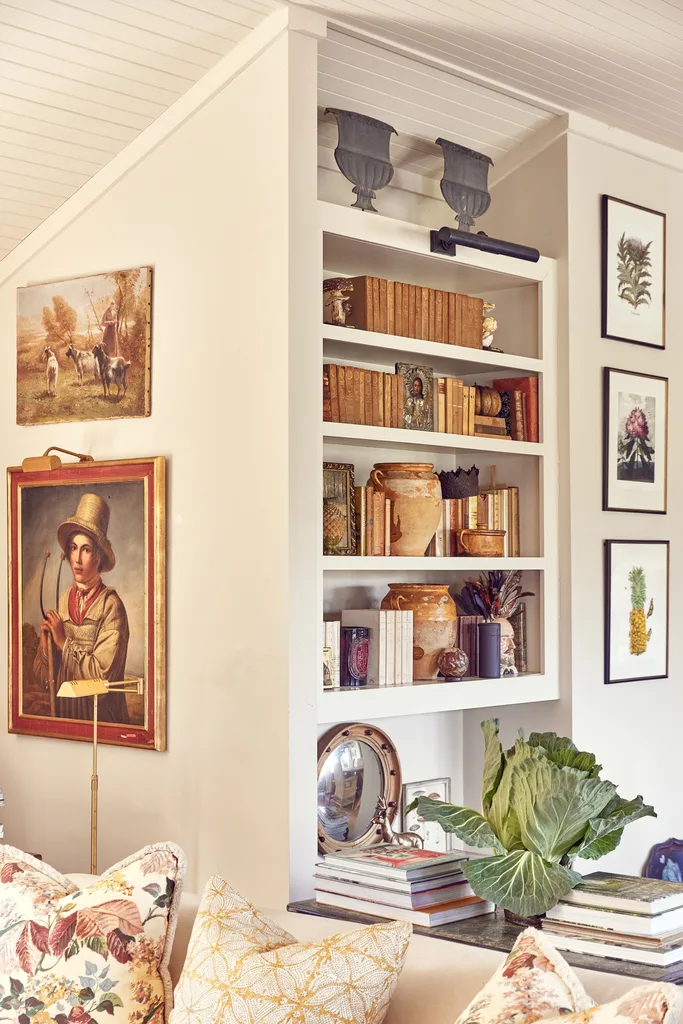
pixel 93 794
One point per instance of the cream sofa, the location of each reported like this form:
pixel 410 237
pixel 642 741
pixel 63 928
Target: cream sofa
pixel 436 984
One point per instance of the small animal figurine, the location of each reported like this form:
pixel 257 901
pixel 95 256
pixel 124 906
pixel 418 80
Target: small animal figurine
pixel 405 839
pixel 489 327
pixel 337 304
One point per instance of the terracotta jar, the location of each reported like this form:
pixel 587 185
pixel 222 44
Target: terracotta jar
pixel 415 493
pixel 434 622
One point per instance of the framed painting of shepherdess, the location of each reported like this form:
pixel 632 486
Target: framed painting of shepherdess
pixel 633 273
pixel 87 599
pixel 83 348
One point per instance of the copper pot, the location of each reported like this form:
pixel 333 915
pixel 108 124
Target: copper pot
pixel 485 543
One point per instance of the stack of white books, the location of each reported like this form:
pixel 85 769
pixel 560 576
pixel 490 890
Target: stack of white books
pixel 391 644
pixel 424 888
pixel 622 917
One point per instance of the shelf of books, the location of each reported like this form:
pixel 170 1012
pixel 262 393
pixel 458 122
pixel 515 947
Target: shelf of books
pixel 445 366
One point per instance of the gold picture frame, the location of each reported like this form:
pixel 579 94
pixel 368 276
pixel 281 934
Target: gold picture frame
pixel 112 513
pixel 339 497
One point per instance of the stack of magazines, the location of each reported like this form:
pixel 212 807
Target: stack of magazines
pixel 424 888
pixel 623 917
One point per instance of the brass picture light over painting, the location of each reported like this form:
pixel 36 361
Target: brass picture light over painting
pixel 95 688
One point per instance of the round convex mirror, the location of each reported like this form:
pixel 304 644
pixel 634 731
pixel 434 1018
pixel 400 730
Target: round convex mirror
pixel 357 768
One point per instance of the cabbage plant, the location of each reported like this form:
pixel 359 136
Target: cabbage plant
pixel 543 804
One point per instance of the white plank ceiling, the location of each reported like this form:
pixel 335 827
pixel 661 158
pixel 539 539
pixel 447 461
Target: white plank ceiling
pixel 79 79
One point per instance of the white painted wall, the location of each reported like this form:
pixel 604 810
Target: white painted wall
pixel 210 210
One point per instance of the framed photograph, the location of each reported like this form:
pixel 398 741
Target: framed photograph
pixel 339 509
pixel 633 273
pixel 636 610
pixel 418 396
pixel 432 833
pixel 87 581
pixel 84 348
pixel 635 442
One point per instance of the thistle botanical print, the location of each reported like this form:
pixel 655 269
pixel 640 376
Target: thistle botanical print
pixel 633 272
pixel 633 267
pixel 635 442
pixel 636 610
pixel 636 439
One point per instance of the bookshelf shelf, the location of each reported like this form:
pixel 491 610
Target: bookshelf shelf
pixel 356 563
pixel 369 703
pixel 424 440
pixel 349 344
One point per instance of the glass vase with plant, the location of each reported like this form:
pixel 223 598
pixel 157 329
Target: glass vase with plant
pixel 543 805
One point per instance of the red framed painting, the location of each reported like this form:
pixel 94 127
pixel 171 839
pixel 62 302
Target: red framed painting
pixel 87 593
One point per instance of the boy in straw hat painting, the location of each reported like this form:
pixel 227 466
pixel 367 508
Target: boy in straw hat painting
pixel 90 629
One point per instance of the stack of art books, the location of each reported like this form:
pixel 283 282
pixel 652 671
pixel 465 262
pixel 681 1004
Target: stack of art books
pixel 419 886
pixel 622 917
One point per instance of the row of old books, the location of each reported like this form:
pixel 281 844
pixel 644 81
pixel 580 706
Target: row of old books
pixel 410 311
pixel 390 658
pixel 455 405
pixel 498 509
pixel 520 411
pixel 427 889
pixel 373 521
pixel 622 917
pixel 368 397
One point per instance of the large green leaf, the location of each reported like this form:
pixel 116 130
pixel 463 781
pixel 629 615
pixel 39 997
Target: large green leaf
pixel 604 832
pixel 521 882
pixel 553 806
pixel 468 825
pixel 578 759
pixel 501 814
pixel 493 762
pixel 551 741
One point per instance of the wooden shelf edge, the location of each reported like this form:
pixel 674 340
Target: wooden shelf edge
pixel 396 437
pixel 484 360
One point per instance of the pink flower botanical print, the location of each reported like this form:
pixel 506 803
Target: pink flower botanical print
pixel 85 956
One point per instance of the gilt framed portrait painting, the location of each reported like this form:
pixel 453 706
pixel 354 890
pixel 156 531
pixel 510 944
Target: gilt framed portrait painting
pixel 86 582
pixel 633 273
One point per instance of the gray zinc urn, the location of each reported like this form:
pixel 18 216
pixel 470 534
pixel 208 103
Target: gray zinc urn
pixel 362 154
pixel 464 185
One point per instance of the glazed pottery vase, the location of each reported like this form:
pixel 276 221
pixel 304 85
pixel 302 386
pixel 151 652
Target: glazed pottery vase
pixel 488 662
pixel 434 622
pixel 415 493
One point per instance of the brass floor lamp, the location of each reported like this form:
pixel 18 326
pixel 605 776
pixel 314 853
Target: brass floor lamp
pixel 95 688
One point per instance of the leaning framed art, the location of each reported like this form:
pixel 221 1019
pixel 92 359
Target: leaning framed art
pixel 87 583
pixel 633 273
pixel 635 442
pixel 636 610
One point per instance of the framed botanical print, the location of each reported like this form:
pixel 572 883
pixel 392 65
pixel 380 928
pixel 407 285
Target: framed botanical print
pixel 432 833
pixel 636 610
pixel 633 273
pixel 635 442
pixel 339 509
pixel 87 599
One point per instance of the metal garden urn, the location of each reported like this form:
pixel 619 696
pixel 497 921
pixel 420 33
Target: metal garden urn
pixel 464 185
pixel 362 154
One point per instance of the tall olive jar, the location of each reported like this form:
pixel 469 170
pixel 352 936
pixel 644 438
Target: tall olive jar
pixel 415 493
pixel 434 622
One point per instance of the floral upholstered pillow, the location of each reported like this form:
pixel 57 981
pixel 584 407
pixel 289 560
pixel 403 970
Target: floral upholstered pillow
pixel 242 969
pixel 85 956
pixel 533 983
pixel 646 1004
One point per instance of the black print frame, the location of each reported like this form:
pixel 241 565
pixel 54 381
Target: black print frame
pixel 636 610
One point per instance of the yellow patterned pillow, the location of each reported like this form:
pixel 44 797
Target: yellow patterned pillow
pixel 534 982
pixel 86 956
pixel 242 968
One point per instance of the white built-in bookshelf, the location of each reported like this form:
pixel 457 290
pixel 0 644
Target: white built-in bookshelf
pixel 423 718
pixel 354 244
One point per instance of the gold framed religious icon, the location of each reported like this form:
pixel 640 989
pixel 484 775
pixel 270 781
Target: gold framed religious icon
pixel 87 590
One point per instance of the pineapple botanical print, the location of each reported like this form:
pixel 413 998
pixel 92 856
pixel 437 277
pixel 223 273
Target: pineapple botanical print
pixel 639 635
pixel 634 264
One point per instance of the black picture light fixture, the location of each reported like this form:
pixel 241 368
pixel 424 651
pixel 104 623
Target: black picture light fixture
pixel 446 240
